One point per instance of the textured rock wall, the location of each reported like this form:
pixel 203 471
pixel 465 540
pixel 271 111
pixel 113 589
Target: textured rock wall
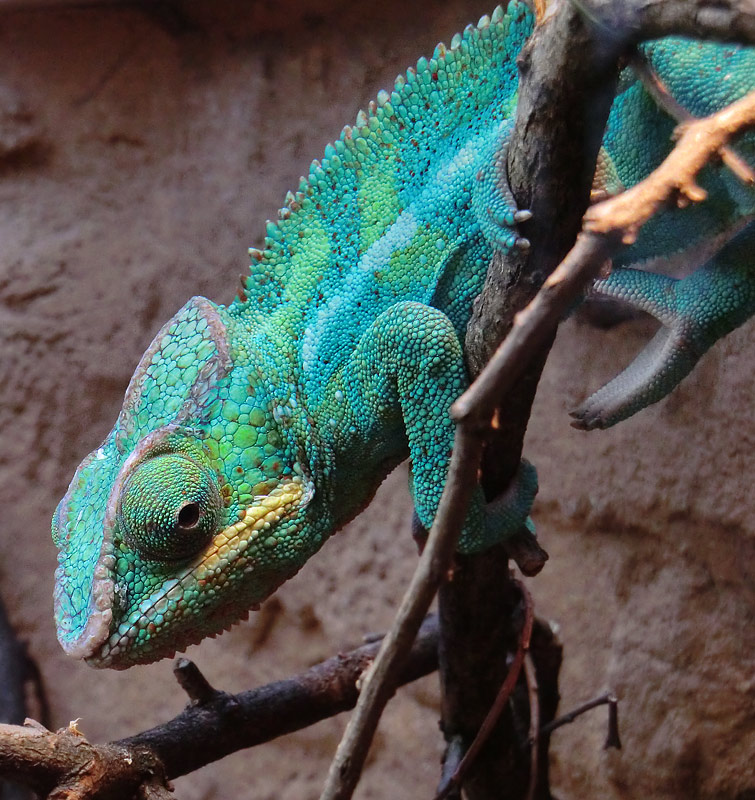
pixel 139 156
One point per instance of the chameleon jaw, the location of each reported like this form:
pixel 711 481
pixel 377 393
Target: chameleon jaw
pixel 137 638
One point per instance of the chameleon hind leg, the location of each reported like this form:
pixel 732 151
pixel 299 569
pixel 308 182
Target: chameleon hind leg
pixel 410 360
pixel 695 312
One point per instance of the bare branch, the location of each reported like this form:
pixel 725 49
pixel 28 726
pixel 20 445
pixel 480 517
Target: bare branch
pixel 504 693
pixel 657 89
pixel 202 733
pixel 723 20
pixel 674 179
pixel 63 764
pixel 566 719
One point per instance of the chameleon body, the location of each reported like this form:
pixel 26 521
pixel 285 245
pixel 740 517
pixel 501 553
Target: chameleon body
pixel 250 433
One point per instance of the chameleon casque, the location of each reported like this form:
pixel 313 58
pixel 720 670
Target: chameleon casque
pixel 250 433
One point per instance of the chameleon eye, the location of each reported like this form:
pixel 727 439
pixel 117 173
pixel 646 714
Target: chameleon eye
pixel 169 508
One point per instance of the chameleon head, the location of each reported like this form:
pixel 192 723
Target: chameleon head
pixel 191 510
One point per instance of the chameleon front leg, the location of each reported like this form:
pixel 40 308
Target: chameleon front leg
pixel 695 311
pixel 409 367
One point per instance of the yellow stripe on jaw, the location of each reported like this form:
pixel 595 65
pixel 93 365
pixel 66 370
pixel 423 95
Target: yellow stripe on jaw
pixel 260 516
pixel 227 547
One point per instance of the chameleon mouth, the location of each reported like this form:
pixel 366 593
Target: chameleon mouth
pixel 184 606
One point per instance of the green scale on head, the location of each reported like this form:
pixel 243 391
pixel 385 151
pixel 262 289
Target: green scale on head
pixel 196 486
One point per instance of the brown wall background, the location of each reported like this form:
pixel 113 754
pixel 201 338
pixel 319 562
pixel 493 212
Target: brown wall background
pixel 140 153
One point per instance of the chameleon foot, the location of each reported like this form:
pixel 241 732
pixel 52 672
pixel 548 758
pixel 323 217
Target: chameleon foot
pixel 695 311
pixel 509 512
pixel 668 358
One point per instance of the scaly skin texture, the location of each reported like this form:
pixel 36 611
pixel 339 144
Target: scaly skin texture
pixel 698 310
pixel 249 434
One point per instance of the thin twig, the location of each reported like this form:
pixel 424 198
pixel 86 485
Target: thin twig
pixel 530 675
pixel 567 719
pixel 699 141
pixel 379 683
pixel 504 693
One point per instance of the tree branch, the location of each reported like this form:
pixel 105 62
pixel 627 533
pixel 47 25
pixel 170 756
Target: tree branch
pixel 722 20
pixel 214 725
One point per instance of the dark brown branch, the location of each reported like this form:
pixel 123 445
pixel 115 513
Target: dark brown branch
pixel 566 66
pixel 566 88
pixel 193 682
pixel 722 20
pixel 202 733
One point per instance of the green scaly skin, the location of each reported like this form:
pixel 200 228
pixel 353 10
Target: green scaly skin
pixel 250 433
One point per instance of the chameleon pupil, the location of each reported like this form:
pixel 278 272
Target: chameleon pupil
pixel 188 516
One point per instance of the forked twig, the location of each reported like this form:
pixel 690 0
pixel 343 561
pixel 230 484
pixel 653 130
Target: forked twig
pixel 608 698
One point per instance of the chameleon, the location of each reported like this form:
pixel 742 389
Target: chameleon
pixel 250 433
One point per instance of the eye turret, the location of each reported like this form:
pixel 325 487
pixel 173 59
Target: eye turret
pixel 169 508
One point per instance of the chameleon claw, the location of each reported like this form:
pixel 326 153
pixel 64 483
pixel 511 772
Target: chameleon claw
pixel 523 215
pixel 522 243
pixel 505 220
